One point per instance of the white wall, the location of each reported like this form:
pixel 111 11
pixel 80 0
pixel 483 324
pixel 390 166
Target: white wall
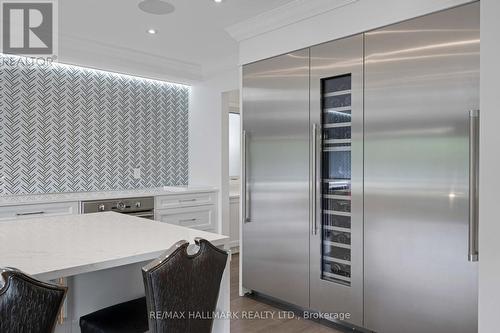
pixel 205 136
pixel 349 20
pixel 489 221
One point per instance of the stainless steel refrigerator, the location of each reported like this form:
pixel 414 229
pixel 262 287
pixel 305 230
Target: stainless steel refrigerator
pixel 360 176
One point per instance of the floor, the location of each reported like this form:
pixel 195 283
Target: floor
pixel 274 325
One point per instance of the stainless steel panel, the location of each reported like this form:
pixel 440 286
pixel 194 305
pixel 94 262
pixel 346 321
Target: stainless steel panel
pixel 336 58
pixel 275 118
pixel 421 78
pixel 125 205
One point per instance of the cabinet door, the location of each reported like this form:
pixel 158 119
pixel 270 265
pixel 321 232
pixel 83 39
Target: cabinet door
pixel 9 213
pixel 234 222
pixel 276 225
pixel 422 78
pixel 337 187
pixel 201 218
pixel 185 200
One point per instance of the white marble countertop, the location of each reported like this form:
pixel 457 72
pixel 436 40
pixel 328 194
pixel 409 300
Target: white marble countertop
pixel 62 246
pixel 12 200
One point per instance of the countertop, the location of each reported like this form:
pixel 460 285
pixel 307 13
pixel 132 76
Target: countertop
pixel 62 246
pixel 12 200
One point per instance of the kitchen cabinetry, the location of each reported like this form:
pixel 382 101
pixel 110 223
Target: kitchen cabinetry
pixel 234 223
pixel 9 213
pixel 194 210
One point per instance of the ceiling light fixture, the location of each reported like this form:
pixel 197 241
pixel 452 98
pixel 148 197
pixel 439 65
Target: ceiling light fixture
pixel 156 7
pixel 152 31
pixel 218 1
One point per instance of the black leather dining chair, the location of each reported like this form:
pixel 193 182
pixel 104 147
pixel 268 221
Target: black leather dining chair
pixel 28 305
pixel 181 289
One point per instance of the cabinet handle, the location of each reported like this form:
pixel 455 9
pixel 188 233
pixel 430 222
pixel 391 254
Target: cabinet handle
pixel 246 195
pixel 313 166
pixel 30 213
pixel 473 185
pixel 187 200
pixel 187 220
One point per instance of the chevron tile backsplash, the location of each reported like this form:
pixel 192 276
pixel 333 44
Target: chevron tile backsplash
pixel 70 129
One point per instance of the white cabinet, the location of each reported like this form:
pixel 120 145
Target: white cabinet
pixel 10 213
pixel 234 222
pixel 193 210
pixel 201 217
pixel 185 200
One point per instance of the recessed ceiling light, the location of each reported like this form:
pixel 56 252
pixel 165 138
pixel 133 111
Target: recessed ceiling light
pixel 152 31
pixel 218 1
pixel 156 7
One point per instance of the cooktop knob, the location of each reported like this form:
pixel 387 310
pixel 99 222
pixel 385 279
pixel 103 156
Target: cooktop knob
pixel 120 205
pixel 138 204
pixel 101 208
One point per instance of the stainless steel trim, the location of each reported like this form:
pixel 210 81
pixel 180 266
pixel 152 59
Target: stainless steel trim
pixel 338 109
pixel 246 197
pixel 329 227
pixel 341 261
pixel 341 148
pixel 30 213
pixel 334 212
pixel 335 276
pixel 337 93
pixel 122 205
pixel 335 125
pixel 314 157
pixel 474 185
pixel 336 141
pixel 344 246
pixel 338 197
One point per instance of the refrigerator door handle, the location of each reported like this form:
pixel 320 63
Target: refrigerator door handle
pixel 246 197
pixel 474 185
pixel 313 167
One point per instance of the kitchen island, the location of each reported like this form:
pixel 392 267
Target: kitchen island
pixel 99 256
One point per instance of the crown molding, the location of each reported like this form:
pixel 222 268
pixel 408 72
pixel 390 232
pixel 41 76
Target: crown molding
pixel 292 12
pixel 94 54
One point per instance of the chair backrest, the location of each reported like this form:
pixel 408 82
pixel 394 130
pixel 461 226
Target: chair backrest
pixel 182 289
pixel 28 305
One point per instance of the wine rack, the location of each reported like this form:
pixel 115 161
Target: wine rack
pixel 336 179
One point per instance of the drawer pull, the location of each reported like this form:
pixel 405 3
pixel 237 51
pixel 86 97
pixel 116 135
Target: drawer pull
pixel 187 220
pixel 187 200
pixel 30 213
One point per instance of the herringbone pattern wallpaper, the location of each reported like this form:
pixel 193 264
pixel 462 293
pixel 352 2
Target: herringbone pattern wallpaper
pixel 70 129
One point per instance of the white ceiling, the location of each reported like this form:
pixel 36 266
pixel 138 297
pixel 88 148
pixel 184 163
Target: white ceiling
pixel 110 34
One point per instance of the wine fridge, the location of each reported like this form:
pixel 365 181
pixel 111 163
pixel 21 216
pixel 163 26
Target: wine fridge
pixel 359 182
pixel 336 118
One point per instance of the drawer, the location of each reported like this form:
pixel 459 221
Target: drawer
pixel 185 200
pixel 202 218
pixel 9 213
